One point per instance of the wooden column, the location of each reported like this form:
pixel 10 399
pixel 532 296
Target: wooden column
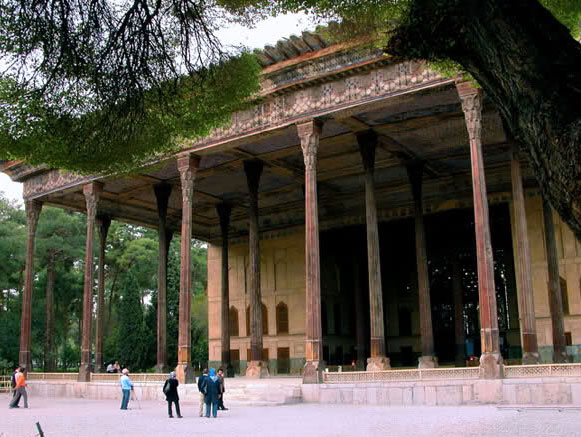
pixel 162 193
pixel 309 134
pixel 491 359
pixel 91 191
pixel 187 166
pixel 378 361
pixel 103 226
pixel 526 305
pixel 359 314
pixel 33 208
pixel 257 368
pixel 49 355
pixel 555 298
pixel 459 335
pixel 224 210
pixel 428 358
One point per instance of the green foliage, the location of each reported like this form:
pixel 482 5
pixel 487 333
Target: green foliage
pixel 568 12
pixel 87 142
pixel 131 326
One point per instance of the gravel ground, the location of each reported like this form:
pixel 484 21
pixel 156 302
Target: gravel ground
pixel 86 418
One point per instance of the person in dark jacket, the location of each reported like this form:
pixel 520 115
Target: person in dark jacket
pixel 202 390
pixel 170 388
pixel 222 390
pixel 211 393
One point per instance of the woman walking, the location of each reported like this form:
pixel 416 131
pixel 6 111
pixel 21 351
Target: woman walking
pixel 126 387
pixel 170 388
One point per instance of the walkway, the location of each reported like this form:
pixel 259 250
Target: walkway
pixel 88 418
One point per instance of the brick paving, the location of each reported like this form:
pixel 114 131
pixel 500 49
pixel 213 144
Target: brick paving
pixel 87 418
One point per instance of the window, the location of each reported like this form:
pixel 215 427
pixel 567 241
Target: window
pixel 233 322
pixel 281 318
pixel 248 322
pixel 264 320
pixel 568 339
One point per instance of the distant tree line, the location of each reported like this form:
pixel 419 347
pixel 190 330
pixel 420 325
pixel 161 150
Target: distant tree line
pixel 130 309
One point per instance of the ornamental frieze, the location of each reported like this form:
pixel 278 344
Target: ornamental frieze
pixel 52 180
pixel 319 99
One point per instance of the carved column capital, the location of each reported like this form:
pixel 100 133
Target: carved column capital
pixel 92 192
pixel 471 99
pixel 367 141
pixel 33 209
pixel 309 134
pixel 188 166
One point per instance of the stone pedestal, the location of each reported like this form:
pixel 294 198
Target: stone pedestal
pixel 531 358
pixel 491 366
pixel 376 364
pixel 257 369
pixel 185 374
pixel 313 372
pixel 427 362
pixel 229 370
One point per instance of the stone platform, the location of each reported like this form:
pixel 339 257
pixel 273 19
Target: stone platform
pixel 280 391
pixel 509 391
pixel 239 390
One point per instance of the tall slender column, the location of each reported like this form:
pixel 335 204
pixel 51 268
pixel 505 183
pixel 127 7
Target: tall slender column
pixel 33 208
pixel 91 192
pixel 256 368
pixel 49 356
pixel 162 193
pixel 491 359
pixel 378 361
pixel 224 211
pixel 359 315
pixel 526 305
pixel 103 226
pixel 459 335
pixel 555 299
pixel 309 134
pixel 428 358
pixel 187 166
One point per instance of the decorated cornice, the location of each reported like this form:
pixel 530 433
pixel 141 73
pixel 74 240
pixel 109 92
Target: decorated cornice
pixel 322 99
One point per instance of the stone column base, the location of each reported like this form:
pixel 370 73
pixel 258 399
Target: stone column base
pixel 185 374
pixel 561 358
pixel 257 369
pixel 228 370
pixel 161 368
pixel 531 358
pixel 491 366
pixel 313 372
pixel 376 364
pixel 427 362
pixel 85 373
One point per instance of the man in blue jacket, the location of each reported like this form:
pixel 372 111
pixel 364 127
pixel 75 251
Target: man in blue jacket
pixel 126 387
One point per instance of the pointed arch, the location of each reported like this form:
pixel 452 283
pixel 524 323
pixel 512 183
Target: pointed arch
pixel 282 319
pixel 264 320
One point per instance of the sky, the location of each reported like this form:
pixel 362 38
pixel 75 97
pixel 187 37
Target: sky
pixel 267 32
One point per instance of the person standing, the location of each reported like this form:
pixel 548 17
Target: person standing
pixel 20 389
pixel 170 388
pixel 202 389
pixel 126 387
pixel 211 393
pixel 222 390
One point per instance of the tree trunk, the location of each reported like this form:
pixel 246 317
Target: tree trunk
pixel 528 65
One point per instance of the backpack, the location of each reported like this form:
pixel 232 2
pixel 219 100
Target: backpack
pixel 13 381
